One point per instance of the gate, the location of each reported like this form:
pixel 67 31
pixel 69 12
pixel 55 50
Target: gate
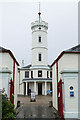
pixel 60 99
pixel 12 91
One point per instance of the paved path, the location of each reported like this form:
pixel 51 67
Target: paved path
pixel 38 109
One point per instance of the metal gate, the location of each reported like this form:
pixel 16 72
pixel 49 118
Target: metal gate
pixel 12 91
pixel 60 99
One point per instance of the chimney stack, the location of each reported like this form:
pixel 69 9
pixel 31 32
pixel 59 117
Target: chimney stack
pixel 22 63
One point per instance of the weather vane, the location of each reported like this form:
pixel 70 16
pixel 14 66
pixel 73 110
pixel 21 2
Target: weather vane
pixel 39 12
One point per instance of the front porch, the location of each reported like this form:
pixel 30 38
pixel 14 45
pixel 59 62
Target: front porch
pixel 40 87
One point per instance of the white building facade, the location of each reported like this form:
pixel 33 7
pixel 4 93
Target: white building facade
pixel 9 74
pixel 37 77
pixel 65 70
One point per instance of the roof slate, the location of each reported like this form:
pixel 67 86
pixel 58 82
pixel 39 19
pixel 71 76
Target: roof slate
pixel 2 49
pixel 28 66
pixel 74 49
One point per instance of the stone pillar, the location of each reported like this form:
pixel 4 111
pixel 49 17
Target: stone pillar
pixel 22 89
pixel 45 88
pixel 35 86
pixel 26 88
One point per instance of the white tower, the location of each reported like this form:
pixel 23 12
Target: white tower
pixel 38 75
pixel 39 43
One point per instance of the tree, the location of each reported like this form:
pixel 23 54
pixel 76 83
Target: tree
pixel 8 110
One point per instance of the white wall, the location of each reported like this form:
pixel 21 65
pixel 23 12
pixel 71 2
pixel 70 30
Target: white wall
pixel 5 78
pixel 16 85
pixel 35 53
pixel 79 86
pixel 6 61
pixel 54 87
pixel 35 73
pixel 70 104
pixel 79 59
pixel 35 36
pixel 21 86
pixel 66 62
pixel 5 64
pixel 39 47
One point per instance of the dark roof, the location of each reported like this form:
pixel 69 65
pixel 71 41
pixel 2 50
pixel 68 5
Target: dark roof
pixel 75 49
pixel 3 50
pixel 28 66
pixel 49 66
pixel 37 79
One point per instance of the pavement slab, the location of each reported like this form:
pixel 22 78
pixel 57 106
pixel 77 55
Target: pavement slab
pixel 39 109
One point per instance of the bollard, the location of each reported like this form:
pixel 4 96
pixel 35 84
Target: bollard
pixel 18 103
pixel 50 103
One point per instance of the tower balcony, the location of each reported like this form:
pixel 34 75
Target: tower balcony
pixel 39 24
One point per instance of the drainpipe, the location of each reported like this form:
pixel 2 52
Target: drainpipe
pixel 57 76
pixel 13 76
pixel 14 71
pixel 19 81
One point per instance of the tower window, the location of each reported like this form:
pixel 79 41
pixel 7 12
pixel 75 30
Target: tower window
pixel 27 74
pixel 47 74
pixel 39 73
pixel 31 74
pixel 39 38
pixel 39 28
pixel 39 57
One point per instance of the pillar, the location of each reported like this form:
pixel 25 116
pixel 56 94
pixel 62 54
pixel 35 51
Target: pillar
pixel 26 88
pixel 35 86
pixel 45 88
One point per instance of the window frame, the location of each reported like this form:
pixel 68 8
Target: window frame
pixel 27 76
pixel 31 74
pixel 50 74
pixel 39 57
pixel 39 71
pixel 47 74
pixel 39 39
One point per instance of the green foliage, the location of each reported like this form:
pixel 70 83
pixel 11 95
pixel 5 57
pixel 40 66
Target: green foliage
pixel 8 111
pixel 0 106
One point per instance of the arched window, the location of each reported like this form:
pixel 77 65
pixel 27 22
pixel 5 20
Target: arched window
pixel 39 57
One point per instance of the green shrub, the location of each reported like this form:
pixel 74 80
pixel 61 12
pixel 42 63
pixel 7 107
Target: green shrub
pixel 8 111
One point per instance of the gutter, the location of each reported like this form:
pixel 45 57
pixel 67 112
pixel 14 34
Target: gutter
pixel 62 54
pixel 57 76
pixel 11 54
